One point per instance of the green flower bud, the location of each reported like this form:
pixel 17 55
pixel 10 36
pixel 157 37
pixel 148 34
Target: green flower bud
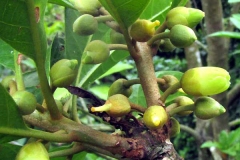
pixel 155 117
pixel 87 6
pixel 170 80
pixel 185 16
pixel 25 101
pixel 203 81
pixel 182 36
pixel 118 88
pixel 85 25
pixel 116 37
pixel 175 127
pixel 63 72
pixel 184 101
pixel 6 80
pixel 95 52
pixel 142 30
pixel 31 151
pixel 165 45
pixel 207 108
pixel 117 105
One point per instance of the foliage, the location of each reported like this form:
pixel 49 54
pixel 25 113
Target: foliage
pixel 228 142
pixel 71 121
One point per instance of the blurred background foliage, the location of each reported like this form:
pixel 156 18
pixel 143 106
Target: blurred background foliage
pixel 163 61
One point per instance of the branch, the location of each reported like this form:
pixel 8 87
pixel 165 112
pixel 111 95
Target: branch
pixel 191 131
pixel 233 94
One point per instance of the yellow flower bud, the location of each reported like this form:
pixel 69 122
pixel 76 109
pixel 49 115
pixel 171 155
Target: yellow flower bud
pixel 203 81
pixel 142 30
pixel 155 117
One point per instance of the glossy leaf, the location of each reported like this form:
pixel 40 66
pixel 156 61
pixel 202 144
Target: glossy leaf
pixel 15 28
pixel 64 3
pixel 6 55
pixel 125 11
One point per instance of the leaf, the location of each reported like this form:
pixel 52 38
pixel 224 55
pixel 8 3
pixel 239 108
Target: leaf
pixel 235 19
pixel 6 55
pixel 92 72
pixel 57 50
pixel 225 34
pixel 125 11
pixel 9 151
pixel 15 28
pixel 156 10
pixel 233 1
pixel 64 3
pixel 137 95
pixel 9 115
pixel 209 144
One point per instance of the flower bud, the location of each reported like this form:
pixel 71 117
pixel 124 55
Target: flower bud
pixel 63 72
pixel 170 80
pixel 203 81
pixel 182 36
pixel 165 45
pixel 87 6
pixel 25 101
pixel 207 108
pixel 85 25
pixel 116 37
pixel 185 16
pixel 184 101
pixel 175 127
pixel 118 88
pixel 117 105
pixel 33 150
pixel 6 80
pixel 155 117
pixel 142 30
pixel 95 52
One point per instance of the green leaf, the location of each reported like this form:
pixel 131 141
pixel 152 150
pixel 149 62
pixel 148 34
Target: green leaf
pixel 125 11
pixel 235 19
pixel 9 151
pixel 6 55
pixel 225 34
pixel 137 95
pixel 64 3
pixel 233 1
pixel 100 91
pixel 90 73
pixel 74 44
pixel 156 10
pixel 15 26
pixel 9 114
pixel 209 144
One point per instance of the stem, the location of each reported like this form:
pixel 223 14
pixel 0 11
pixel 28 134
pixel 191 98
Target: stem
pixel 234 122
pixel 131 82
pixel 12 87
pixel 162 28
pixel 70 151
pixel 104 18
pixel 117 47
pixel 18 71
pixel 158 36
pixel 36 134
pixel 191 131
pixel 170 90
pixel 146 73
pixel 39 45
pixel 137 107
pixel 190 107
